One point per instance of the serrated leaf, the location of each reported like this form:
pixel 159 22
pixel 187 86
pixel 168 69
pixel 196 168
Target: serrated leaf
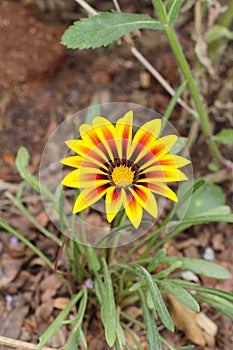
pixel 152 334
pixel 158 302
pixel 173 8
pixel 199 266
pixel 218 32
pixel 225 136
pixel 108 308
pixel 104 28
pixel 181 295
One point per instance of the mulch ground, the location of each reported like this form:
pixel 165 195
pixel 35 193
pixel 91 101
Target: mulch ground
pixel 41 84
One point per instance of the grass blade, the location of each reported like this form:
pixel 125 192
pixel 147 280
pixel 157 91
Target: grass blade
pixel 57 323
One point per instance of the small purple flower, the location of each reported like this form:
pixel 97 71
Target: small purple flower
pixel 9 300
pixel 89 284
pixel 14 240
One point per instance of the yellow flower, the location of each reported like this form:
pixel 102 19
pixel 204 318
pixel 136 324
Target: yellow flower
pixel 126 169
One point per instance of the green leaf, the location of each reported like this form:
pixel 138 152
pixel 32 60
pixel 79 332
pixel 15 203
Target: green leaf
pixel 172 104
pixel 207 198
pixel 93 111
pixel 218 32
pixel 173 8
pixel 22 161
pixel 120 340
pixel 72 341
pixel 225 136
pixel 169 270
pixel 218 303
pixel 108 308
pixel 57 323
pixel 156 260
pixel 133 336
pixel 152 334
pixel 159 304
pixel 199 266
pixel 206 290
pixel 92 259
pixel 179 145
pixel 104 28
pixel 181 295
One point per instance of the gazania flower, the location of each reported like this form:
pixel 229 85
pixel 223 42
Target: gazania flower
pixel 126 170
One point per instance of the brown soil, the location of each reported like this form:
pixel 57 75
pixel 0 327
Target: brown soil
pixel 41 84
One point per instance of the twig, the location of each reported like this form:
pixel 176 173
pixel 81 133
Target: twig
pixel 20 344
pixel 137 54
pixel 87 7
pixel 160 79
pixel 218 177
pixel 116 4
pixel 192 136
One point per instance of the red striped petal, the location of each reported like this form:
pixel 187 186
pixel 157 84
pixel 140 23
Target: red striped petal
pixel 113 202
pixel 146 199
pixel 133 209
pixel 88 197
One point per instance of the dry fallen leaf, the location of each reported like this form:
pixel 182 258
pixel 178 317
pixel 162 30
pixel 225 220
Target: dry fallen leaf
pixel 206 323
pixel 12 321
pixel 185 320
pixel 60 303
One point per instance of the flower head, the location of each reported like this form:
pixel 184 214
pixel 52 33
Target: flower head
pixel 125 169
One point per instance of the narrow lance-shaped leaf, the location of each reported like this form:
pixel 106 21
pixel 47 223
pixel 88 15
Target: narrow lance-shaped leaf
pixel 181 295
pixel 152 334
pixel 173 8
pixel 104 28
pixel 158 302
pixel 57 323
pixel 220 304
pixel 22 161
pixel 108 308
pixel 202 267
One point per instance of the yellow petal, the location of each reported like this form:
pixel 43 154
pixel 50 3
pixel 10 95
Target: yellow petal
pixel 154 151
pixel 71 180
pixel 88 197
pixel 163 174
pixel 74 161
pixel 91 177
pixel 163 190
pixel 148 132
pixel 87 151
pixel 168 160
pixel 133 209
pixel 106 132
pixel 146 199
pixel 113 202
pixel 124 133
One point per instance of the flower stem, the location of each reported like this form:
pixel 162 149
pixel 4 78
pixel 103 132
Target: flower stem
pixel 204 121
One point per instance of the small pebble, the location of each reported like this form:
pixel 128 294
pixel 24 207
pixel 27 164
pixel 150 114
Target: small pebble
pixel 209 254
